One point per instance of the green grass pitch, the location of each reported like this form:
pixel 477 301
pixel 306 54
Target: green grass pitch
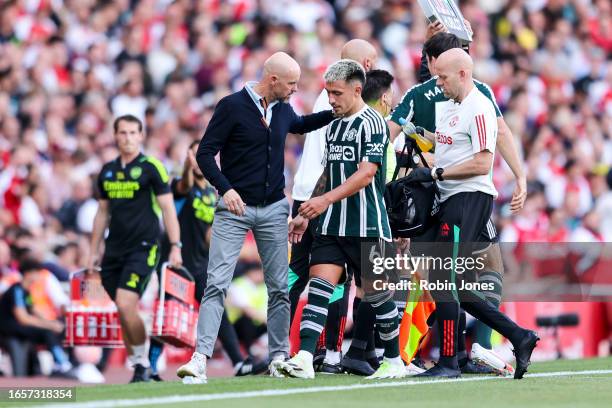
pixel 588 384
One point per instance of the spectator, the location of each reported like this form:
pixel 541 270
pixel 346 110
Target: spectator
pixel 68 67
pixel 19 319
pixel 247 304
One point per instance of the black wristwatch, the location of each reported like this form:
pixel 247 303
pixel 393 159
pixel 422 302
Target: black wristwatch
pixel 439 172
pixel 178 244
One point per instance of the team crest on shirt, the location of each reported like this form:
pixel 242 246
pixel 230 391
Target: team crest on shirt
pixel 108 174
pixel 453 122
pixel 351 135
pixel 135 172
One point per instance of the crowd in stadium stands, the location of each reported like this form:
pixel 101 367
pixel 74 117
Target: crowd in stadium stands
pixel 68 67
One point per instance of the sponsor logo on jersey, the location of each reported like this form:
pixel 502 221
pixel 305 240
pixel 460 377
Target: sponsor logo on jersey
pixel 432 93
pixel 443 139
pixel 374 148
pixel 339 153
pixel 348 153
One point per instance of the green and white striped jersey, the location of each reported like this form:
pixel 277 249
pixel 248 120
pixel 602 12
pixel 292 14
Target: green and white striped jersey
pixel 422 103
pixel 363 136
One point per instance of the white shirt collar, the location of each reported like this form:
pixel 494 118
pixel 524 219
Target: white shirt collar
pixel 354 115
pixel 250 87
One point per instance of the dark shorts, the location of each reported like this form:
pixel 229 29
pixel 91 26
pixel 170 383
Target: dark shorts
pixel 130 271
pixel 465 233
pixel 424 244
pixel 466 218
pixel 354 252
pixel 300 252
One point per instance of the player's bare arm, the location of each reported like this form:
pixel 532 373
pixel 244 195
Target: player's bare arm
pixel 299 224
pixel 166 203
pixel 509 151
pixel 100 224
pixel 185 184
pixel 479 165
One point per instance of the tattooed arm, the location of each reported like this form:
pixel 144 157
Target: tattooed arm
pixel 298 225
pixel 321 183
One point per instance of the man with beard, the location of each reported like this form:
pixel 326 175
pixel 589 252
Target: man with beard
pixel 195 200
pixel 248 129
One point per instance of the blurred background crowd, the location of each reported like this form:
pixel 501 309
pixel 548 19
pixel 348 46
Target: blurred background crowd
pixel 68 67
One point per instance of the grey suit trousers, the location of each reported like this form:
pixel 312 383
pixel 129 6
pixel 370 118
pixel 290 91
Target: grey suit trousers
pixel 269 226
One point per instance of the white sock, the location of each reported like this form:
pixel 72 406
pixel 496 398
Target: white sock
pixel 306 355
pixel 332 357
pixel 395 360
pixel 139 355
pixel 380 352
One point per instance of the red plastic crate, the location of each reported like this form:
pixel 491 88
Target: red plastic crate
pixel 93 326
pixel 176 314
pixel 91 318
pixel 178 324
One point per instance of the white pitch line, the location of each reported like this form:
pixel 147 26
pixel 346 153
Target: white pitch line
pixel 176 399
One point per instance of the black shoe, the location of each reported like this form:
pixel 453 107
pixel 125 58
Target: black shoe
pixel 373 362
pixel 356 367
pixel 317 359
pixel 522 353
pixel 327 368
pixel 65 374
pixel 372 359
pixel 419 362
pixel 472 368
pixel 439 371
pixel 250 367
pixel 141 374
pixel 156 378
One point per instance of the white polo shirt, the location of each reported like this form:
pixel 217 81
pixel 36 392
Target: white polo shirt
pixel 462 130
pixel 311 163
